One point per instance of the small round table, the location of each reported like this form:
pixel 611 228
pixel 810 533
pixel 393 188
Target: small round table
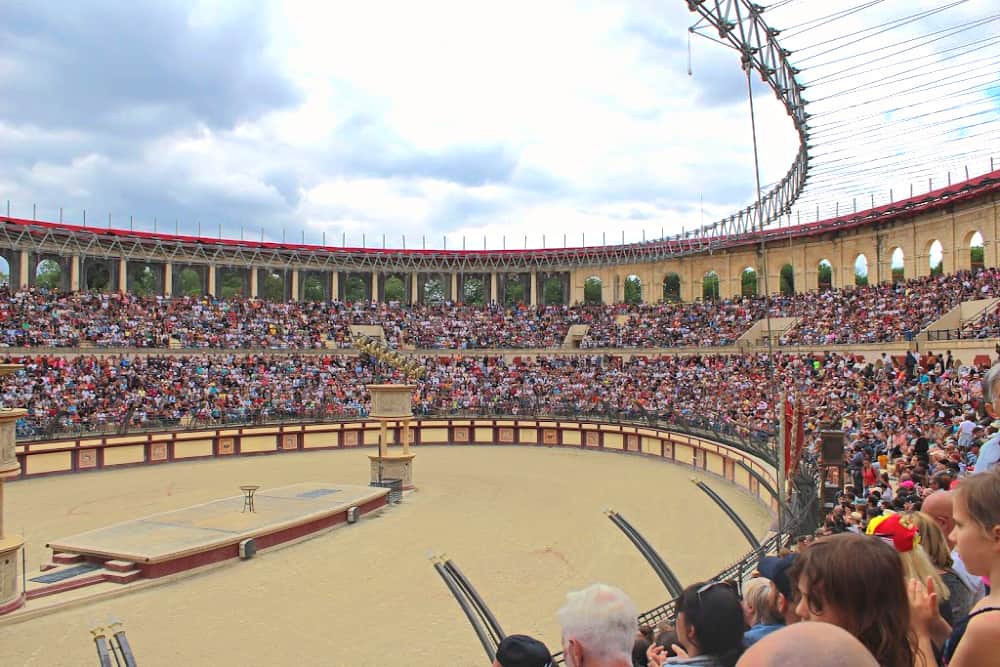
pixel 248 491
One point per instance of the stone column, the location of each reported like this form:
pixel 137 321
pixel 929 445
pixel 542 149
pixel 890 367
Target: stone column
pixel 454 287
pixel 11 589
pixel 211 279
pixel 122 275
pixel 295 296
pixel 334 286
pixel 494 279
pixel 168 279
pixel 414 288
pixel 254 288
pixel 375 286
pixel 74 273
pixel 533 289
pixel 22 270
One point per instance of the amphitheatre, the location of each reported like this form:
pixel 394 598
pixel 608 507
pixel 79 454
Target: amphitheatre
pixel 159 373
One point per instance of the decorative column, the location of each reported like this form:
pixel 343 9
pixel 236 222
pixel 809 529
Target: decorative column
pixel 454 288
pixel 11 590
pixel 494 280
pixel 334 286
pixel 254 289
pixel 375 286
pixel 533 287
pixel 295 296
pixel 414 289
pixel 122 275
pixel 392 403
pixel 211 279
pixel 168 279
pixel 22 270
pixel 74 273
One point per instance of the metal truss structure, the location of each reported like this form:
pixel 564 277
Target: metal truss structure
pixel 740 24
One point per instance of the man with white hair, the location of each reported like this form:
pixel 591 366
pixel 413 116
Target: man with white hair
pixel 598 627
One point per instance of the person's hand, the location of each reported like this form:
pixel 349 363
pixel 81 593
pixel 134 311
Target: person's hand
pixel 924 611
pixel 656 655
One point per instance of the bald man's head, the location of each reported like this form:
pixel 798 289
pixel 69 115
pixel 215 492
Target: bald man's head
pixel 939 506
pixel 808 645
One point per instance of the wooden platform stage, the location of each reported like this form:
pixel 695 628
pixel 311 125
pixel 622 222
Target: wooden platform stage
pixel 183 539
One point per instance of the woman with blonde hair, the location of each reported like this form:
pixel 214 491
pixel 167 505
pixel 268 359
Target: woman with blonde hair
pixel 900 531
pixel 760 607
pixel 934 543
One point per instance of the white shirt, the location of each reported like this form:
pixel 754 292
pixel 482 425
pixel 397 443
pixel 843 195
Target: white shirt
pixel 989 454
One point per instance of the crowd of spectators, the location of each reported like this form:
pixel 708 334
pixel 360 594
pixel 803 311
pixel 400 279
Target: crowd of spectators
pixel 35 317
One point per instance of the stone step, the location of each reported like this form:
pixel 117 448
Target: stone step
pixel 122 576
pixel 119 565
pixel 63 558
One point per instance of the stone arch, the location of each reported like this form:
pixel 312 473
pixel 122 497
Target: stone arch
pixel 672 287
pixel 935 257
pixel 824 275
pixel 12 262
pixel 356 287
pixel 315 286
pixel 98 274
pixel 632 289
pixel 190 280
pixel 977 250
pixel 710 286
pixel 395 288
pixel 786 280
pixel 593 291
pixel 144 278
pixel 50 272
pixel 897 265
pixel 861 270
pixel 748 282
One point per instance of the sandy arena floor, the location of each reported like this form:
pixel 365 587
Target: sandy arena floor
pixel 525 525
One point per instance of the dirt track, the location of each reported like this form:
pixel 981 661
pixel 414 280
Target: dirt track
pixel 525 525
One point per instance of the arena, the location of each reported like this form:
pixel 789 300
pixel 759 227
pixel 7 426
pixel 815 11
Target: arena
pixel 825 360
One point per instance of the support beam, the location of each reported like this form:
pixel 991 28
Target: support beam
pixel 729 512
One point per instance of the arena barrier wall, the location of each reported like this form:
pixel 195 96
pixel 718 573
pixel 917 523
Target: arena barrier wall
pixel 71 455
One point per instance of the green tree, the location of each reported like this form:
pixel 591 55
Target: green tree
pixel 977 257
pixel 355 289
pixel 394 289
pixel 710 286
pixel 98 276
pixel 513 293
pixel 787 280
pixel 144 281
pixel 938 268
pixel 189 282
pixel 672 288
pixel 474 292
pixel 748 283
pixel 552 292
pixel 272 288
pixel 312 289
pixel 48 274
pixel 433 290
pixel 898 275
pixel 592 291
pixel 824 276
pixel 232 283
pixel 633 290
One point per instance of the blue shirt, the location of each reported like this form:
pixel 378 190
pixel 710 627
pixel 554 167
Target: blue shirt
pixel 758 632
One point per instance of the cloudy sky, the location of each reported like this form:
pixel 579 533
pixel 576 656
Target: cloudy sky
pixel 425 120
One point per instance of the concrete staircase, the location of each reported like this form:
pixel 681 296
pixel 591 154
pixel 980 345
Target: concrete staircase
pixel 958 317
pixel 757 333
pixel 575 335
pixel 89 574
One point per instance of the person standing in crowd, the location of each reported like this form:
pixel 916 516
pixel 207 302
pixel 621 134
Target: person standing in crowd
pixel 760 607
pixel 975 639
pixel 709 628
pixel 960 595
pixel 856 582
pixel 989 453
pixel 598 627
pixel 939 506
pixel 522 651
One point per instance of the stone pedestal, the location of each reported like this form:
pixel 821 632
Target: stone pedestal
pixel 11 592
pixel 397 466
